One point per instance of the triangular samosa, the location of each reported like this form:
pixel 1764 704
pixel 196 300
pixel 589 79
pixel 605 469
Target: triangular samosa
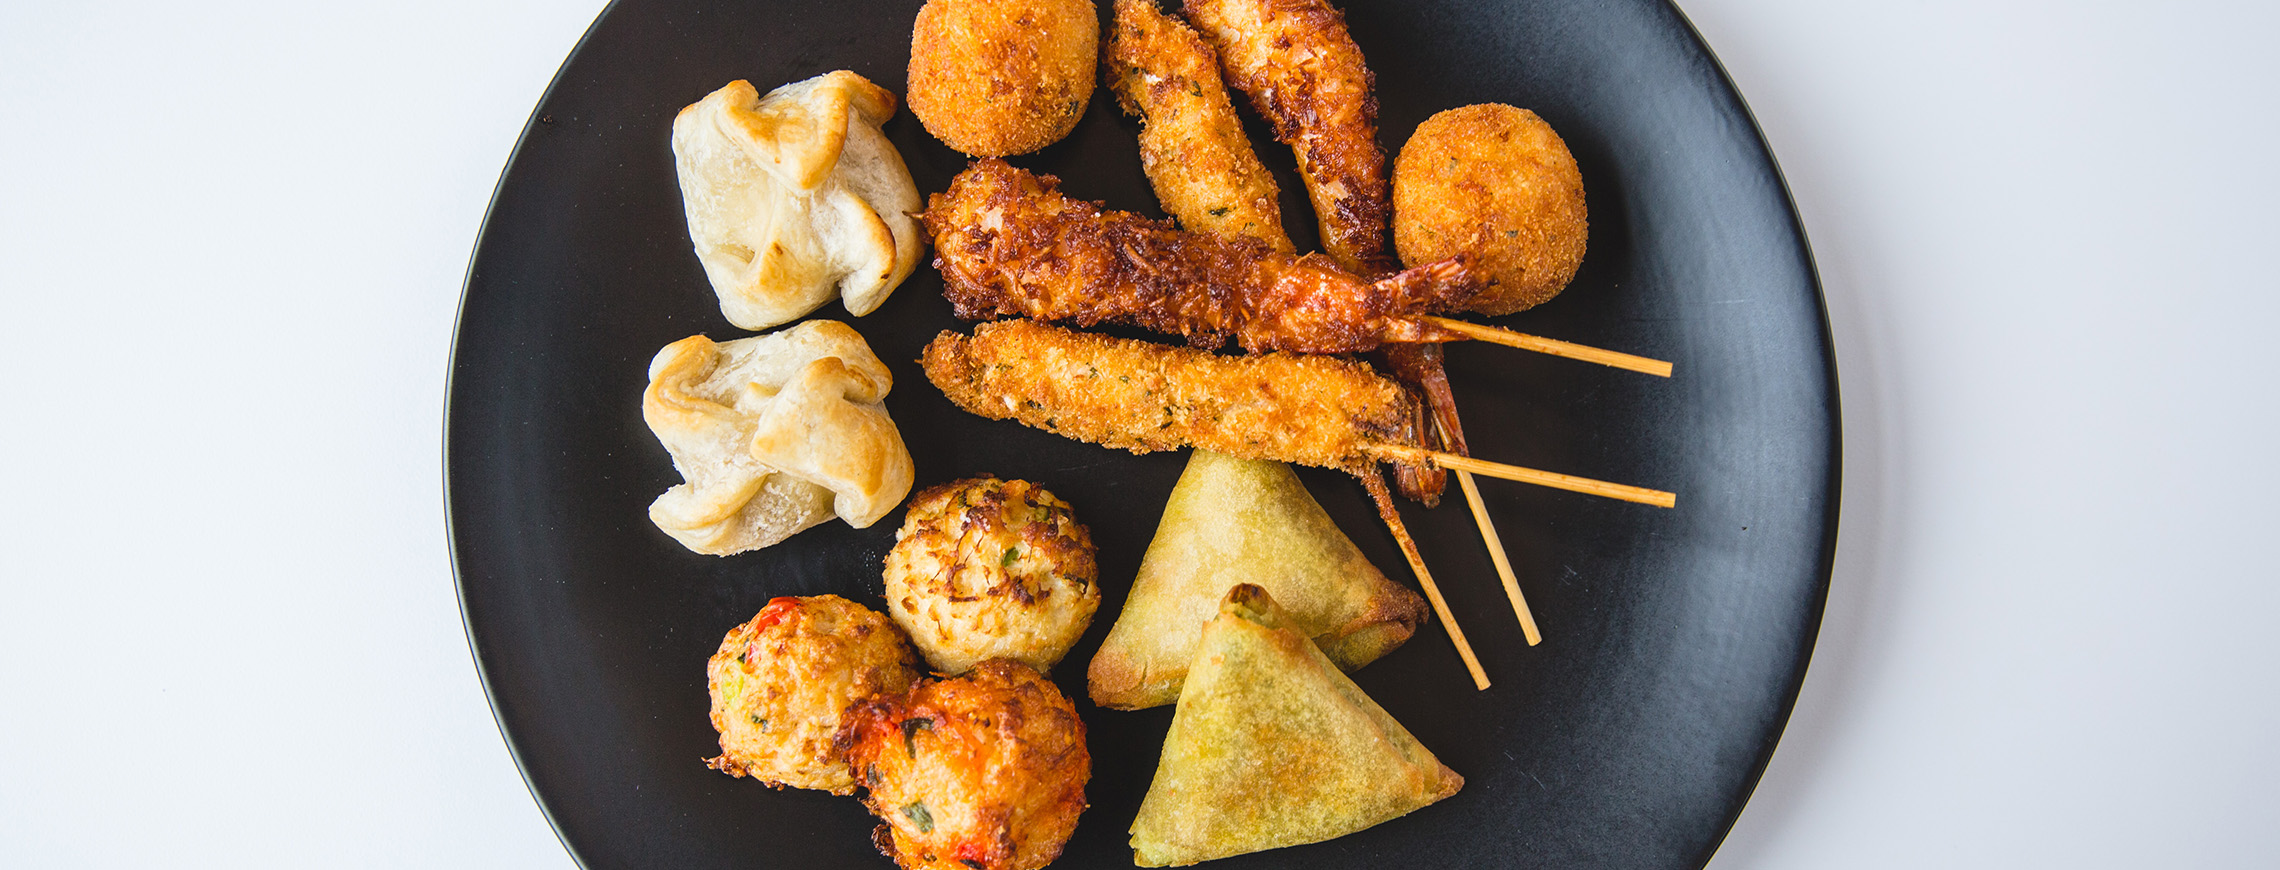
pixel 1233 521
pixel 1271 746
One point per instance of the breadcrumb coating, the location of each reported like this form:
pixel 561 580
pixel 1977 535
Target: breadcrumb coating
pixel 781 680
pixel 1495 184
pixel 985 568
pixel 1008 243
pixel 1305 75
pixel 998 77
pixel 1141 396
pixel 981 772
pixel 1191 144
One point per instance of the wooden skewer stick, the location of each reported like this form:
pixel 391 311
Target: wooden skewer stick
pixel 1551 346
pixel 1384 499
pixel 1408 455
pixel 1503 563
pixel 1488 536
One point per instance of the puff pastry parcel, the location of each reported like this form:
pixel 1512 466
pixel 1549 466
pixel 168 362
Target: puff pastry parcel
pixel 797 197
pixel 773 434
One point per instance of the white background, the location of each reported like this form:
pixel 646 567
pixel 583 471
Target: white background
pixel 231 241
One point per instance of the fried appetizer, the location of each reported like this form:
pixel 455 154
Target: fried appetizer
pixel 773 434
pixel 1304 73
pixel 1494 184
pixel 1143 397
pixel 1191 144
pixel 1008 243
pixel 1232 521
pixel 998 77
pixel 1271 746
pixel 796 197
pixel 985 568
pixel 981 772
pixel 1420 367
pixel 781 681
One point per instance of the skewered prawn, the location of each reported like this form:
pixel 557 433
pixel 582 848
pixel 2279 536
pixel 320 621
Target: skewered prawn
pixel 1008 243
pixel 1144 397
pixel 1191 144
pixel 1304 73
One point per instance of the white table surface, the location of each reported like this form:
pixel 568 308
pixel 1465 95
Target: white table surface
pixel 233 236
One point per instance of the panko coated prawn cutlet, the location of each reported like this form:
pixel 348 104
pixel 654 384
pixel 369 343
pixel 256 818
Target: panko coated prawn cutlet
pixel 1304 73
pixel 1191 144
pixel 1143 397
pixel 1008 243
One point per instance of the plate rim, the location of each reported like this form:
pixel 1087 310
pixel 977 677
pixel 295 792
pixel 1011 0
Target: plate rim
pixel 1831 410
pixel 483 674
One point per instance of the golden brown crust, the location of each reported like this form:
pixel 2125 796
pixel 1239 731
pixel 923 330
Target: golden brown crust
pixel 796 197
pixel 773 433
pixel 1008 243
pixel 985 568
pixel 998 77
pixel 1420 367
pixel 1141 396
pixel 1304 73
pixel 1191 144
pixel 1232 521
pixel 1494 183
pixel 1272 747
pixel 981 772
pixel 781 681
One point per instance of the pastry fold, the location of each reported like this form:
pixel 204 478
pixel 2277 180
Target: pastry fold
pixel 797 197
pixel 773 434
pixel 1272 746
pixel 1232 521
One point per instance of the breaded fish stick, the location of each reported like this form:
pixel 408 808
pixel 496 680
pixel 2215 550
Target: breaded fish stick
pixel 1305 74
pixel 1191 144
pixel 1143 397
pixel 1008 243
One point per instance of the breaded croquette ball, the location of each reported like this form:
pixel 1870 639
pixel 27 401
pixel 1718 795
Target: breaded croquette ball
pixel 1494 182
pixel 993 78
pixel 781 681
pixel 985 568
pixel 981 772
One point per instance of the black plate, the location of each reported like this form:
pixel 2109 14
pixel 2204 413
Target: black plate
pixel 1675 639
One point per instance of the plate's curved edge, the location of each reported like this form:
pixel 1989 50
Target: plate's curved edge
pixel 1825 562
pixel 1834 483
pixel 451 373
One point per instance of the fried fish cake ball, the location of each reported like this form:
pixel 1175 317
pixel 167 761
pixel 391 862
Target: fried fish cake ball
pixel 994 78
pixel 981 772
pixel 781 681
pixel 985 568
pixel 1494 182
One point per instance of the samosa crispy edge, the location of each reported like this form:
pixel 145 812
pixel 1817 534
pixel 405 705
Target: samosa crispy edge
pixel 1143 662
pixel 1166 830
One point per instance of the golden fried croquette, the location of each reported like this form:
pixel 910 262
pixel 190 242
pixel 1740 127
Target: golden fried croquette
pixel 998 77
pixel 781 681
pixel 1494 182
pixel 1191 144
pixel 981 772
pixel 986 568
